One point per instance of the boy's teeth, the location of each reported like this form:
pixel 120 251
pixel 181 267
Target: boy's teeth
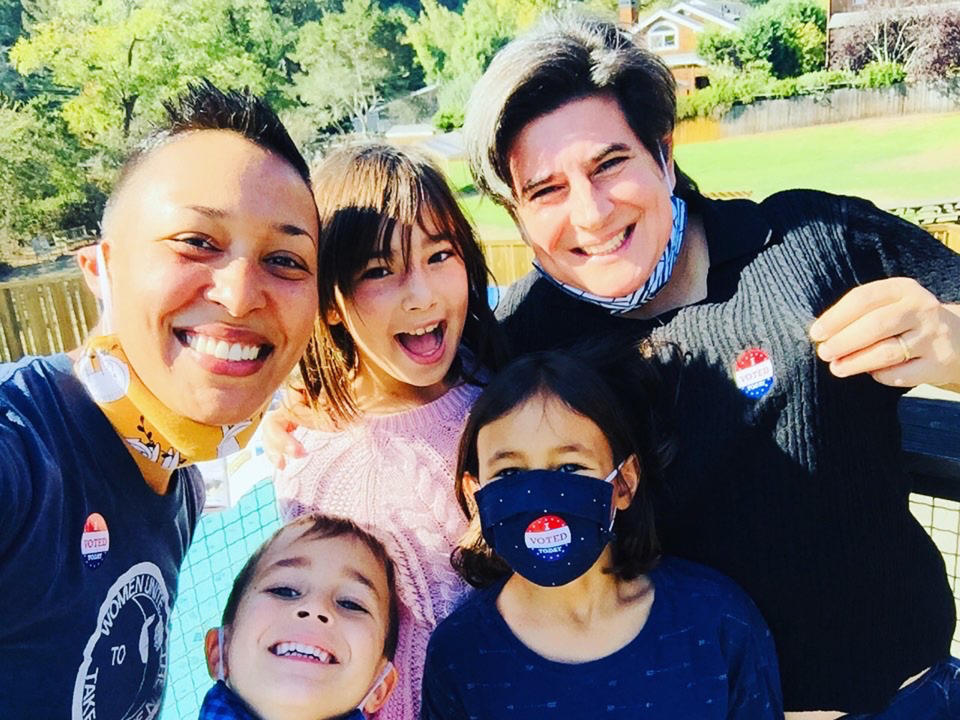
pixel 221 349
pixel 300 649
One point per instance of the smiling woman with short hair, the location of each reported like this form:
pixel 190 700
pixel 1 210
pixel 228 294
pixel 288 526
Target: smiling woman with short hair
pixel 207 276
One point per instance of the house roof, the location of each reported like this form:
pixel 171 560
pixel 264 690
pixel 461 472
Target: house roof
pixel 695 13
pixel 729 11
pixel 669 16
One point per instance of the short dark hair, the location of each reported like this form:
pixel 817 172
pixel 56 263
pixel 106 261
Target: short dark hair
pixel 566 57
pixel 318 527
pixel 618 387
pixel 203 106
pixel 364 191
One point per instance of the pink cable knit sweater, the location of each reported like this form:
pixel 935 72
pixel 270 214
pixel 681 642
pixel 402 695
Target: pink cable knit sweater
pixel 393 474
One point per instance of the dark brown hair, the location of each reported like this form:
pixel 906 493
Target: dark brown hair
pixel 364 192
pixel 319 527
pixel 564 58
pixel 618 388
pixel 204 106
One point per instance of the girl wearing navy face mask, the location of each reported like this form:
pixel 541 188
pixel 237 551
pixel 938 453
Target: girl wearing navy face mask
pixel 578 615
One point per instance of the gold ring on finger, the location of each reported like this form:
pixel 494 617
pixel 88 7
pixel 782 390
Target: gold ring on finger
pixel 907 356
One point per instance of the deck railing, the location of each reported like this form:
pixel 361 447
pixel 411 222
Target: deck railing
pixel 44 315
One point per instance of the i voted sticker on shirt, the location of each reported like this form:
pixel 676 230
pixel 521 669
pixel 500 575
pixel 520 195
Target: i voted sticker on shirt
pixel 548 537
pixel 753 373
pixel 95 541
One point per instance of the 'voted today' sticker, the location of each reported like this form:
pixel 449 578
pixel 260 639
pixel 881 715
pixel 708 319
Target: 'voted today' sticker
pixel 95 541
pixel 548 537
pixel 753 373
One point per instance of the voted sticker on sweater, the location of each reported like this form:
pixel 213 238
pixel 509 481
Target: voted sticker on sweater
pixel 753 373
pixel 95 541
pixel 548 537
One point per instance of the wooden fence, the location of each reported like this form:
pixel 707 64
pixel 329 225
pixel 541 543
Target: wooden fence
pixel 44 315
pixel 838 105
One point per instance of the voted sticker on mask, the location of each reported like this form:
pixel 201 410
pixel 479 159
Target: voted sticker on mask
pixel 95 541
pixel 753 373
pixel 548 537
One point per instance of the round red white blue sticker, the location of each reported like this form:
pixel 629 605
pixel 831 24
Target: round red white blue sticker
pixel 95 541
pixel 548 537
pixel 754 373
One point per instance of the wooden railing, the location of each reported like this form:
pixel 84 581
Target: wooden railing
pixel 44 315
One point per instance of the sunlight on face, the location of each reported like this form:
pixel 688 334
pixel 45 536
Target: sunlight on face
pixel 309 633
pixel 211 254
pixel 592 202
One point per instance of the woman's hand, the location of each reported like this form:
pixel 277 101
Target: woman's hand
pixel 279 424
pixel 894 329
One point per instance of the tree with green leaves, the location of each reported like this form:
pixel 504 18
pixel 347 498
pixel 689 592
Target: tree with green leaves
pixel 42 173
pixel 455 48
pixel 350 61
pixel 119 59
pixel 785 38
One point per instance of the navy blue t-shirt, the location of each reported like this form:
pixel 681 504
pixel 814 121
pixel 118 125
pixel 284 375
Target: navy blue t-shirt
pixel 89 555
pixel 703 653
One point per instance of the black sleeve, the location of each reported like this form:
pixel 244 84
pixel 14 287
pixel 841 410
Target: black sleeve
pixel 881 245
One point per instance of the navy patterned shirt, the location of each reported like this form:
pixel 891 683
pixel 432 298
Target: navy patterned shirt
pixel 703 653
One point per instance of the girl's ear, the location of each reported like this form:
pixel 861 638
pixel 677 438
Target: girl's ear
pixel 626 483
pixel 470 486
pixel 335 312
pixel 215 648
pixel 381 693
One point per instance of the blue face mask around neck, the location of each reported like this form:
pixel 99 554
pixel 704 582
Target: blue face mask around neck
pixel 549 526
pixel 653 284
pixel 223 703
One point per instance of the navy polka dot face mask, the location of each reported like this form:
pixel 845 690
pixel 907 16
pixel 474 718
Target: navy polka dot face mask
pixel 549 526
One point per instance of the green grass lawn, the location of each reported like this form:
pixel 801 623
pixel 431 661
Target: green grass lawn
pixel 891 161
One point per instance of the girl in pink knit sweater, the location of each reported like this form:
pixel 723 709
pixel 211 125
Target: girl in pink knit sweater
pixel 403 333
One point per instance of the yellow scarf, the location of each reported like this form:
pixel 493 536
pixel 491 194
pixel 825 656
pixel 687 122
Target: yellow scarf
pixel 147 425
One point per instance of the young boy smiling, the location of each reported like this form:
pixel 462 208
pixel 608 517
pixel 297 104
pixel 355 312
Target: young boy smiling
pixel 309 629
pixel 207 274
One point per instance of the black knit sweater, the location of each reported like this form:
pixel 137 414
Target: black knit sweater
pixel 800 494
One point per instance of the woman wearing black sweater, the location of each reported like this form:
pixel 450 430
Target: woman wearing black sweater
pixel 803 319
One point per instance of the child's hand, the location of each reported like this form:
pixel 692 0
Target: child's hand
pixel 279 424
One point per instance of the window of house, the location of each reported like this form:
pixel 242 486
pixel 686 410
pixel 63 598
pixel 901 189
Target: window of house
pixel 662 36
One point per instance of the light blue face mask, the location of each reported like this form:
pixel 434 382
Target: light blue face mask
pixel 654 284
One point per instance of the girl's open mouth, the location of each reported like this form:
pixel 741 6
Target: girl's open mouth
pixel 426 344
